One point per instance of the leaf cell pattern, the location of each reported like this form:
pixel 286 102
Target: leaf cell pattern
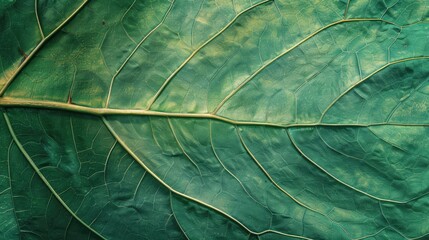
pixel 214 119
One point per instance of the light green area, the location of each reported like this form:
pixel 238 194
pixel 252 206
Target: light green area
pixel 214 119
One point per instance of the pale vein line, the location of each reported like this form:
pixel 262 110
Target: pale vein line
pixel 122 19
pixel 269 176
pixel 279 187
pixel 400 233
pixel 366 78
pixel 309 80
pixel 358 65
pixel 193 22
pixel 46 210
pixel 226 169
pixel 359 159
pixel 125 146
pixel 401 101
pixel 23 103
pixel 105 165
pixel 388 8
pixel 98 215
pixel 390 143
pixel 181 147
pixel 419 237
pixel 382 214
pixel 393 42
pixel 405 151
pixel 67 228
pixel 342 182
pixel 134 51
pixel 39 46
pixel 175 218
pixel 74 142
pixel 334 149
pixel 371 235
pixel 3 192
pixel 347 9
pixel 70 97
pixel 39 25
pixel 140 161
pixel 260 69
pixel 42 177
pixel 163 86
pixel 138 184
pixel 10 188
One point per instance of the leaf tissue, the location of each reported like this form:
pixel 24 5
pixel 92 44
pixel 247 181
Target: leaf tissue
pixel 214 119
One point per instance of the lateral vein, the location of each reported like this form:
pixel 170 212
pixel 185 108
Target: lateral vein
pixel 42 177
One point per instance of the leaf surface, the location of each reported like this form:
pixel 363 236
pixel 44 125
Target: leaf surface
pixel 268 119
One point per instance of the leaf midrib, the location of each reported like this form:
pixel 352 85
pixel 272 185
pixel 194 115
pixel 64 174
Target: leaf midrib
pixel 50 105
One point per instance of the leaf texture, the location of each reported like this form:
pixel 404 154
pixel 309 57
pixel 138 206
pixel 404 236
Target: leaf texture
pixel 171 119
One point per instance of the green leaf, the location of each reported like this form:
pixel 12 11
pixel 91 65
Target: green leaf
pixel 170 119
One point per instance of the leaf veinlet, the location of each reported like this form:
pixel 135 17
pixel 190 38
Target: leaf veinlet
pixel 15 139
pixel 132 53
pixel 41 43
pixel 172 190
pixel 284 53
pixel 142 119
pixel 164 85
